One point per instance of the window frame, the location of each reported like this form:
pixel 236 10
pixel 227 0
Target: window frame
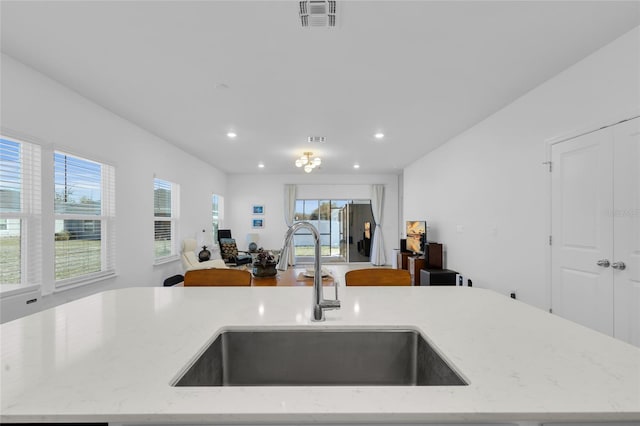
pixel 173 219
pixel 316 204
pixel 29 216
pixel 106 218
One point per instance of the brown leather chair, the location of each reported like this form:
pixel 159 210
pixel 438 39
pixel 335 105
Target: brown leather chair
pixel 377 276
pixel 217 277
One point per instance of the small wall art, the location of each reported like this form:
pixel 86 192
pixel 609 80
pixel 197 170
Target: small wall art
pixel 257 223
pixel 258 209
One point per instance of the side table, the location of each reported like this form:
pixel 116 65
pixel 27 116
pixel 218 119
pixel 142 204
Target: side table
pixel 415 265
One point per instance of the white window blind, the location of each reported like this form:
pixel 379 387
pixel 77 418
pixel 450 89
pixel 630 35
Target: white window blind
pixel 84 210
pixel 20 214
pixel 165 213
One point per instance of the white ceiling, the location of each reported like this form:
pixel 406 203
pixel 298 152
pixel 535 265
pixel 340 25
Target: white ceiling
pixel 419 71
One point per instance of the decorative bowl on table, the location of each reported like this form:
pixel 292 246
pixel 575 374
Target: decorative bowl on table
pixel 310 273
pixel 268 270
pixel 264 264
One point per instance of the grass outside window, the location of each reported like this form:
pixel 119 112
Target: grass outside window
pixel 10 260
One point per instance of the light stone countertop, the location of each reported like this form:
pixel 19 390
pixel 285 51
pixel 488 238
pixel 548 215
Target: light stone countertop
pixel 112 356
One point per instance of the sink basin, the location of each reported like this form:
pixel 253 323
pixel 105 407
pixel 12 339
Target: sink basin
pixel 319 358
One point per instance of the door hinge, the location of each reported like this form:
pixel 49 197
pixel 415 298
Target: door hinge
pixel 550 165
pixel 550 240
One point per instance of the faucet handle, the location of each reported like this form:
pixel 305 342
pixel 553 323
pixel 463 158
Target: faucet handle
pixel 330 304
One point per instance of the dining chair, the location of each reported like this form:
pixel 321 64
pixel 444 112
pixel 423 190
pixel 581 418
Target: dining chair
pixel 377 277
pixel 217 277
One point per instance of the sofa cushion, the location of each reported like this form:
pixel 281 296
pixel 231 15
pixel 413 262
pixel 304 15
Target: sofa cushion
pixel 191 258
pixel 215 263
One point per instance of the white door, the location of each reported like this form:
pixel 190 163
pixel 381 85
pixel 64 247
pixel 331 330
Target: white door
pixel 626 218
pixel 582 230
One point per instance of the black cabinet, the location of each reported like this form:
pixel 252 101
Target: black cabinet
pixel 437 277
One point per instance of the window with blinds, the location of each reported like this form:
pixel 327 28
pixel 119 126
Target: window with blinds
pixel 84 209
pixel 165 213
pixel 20 214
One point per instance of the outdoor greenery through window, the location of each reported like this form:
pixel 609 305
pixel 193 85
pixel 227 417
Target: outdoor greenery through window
pixel 20 257
pixel 326 216
pixel 165 212
pixel 84 211
pixel 346 228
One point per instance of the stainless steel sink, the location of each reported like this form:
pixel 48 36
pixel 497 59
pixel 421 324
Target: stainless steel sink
pixel 319 358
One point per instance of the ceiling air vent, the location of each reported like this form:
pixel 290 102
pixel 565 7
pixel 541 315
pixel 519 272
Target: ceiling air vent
pixel 316 139
pixel 318 13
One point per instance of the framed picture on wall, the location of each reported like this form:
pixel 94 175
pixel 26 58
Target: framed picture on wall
pixel 258 209
pixel 257 223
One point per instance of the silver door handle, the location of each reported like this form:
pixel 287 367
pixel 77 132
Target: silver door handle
pixel 619 265
pixel 603 262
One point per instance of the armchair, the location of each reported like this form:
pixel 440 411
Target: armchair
pixel 190 260
pixel 229 249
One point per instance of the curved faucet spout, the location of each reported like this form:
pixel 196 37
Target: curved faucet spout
pixel 319 303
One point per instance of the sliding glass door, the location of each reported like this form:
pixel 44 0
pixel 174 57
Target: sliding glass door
pixel 334 220
pixel 361 229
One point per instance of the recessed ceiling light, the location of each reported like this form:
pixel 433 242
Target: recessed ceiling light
pixel 261 165
pixel 231 135
pixel 379 135
pixel 356 166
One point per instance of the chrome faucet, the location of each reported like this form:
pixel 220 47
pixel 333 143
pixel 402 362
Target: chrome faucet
pixel 319 303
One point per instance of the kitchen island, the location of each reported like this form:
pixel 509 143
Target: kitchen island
pixel 113 357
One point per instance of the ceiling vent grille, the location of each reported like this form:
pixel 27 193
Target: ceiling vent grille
pixel 318 13
pixel 316 139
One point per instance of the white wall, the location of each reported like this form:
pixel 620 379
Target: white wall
pixel 247 190
pixel 37 108
pixel 490 183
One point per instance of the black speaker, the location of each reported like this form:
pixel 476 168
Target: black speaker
pixel 434 256
pixel 437 277
pixel 403 245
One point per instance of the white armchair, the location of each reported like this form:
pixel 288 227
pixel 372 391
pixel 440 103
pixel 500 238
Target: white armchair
pixel 190 259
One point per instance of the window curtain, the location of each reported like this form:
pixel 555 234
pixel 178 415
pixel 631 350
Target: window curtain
pixel 289 214
pixel 377 245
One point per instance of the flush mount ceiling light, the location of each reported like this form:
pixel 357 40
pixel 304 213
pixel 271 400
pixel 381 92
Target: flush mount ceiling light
pixel 308 163
pixel 317 13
